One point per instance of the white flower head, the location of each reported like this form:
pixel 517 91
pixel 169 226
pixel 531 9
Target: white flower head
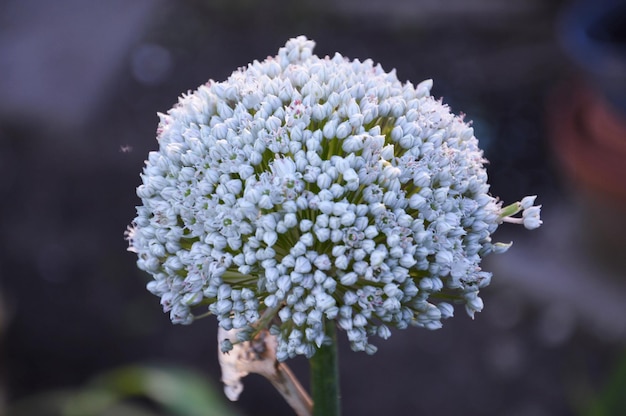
pixel 303 189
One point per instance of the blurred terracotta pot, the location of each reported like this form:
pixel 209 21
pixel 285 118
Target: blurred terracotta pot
pixel 588 116
pixel 589 141
pixel 588 138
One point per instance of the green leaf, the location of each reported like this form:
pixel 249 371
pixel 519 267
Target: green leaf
pixel 181 392
pixel 612 400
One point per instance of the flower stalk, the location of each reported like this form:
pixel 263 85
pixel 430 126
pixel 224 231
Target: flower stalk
pixel 325 376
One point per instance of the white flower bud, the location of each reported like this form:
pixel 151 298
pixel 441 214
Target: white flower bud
pixel 322 234
pixel 302 265
pixel 324 301
pixel 387 152
pixel 531 217
pixel 322 262
pixel 341 262
pixel 528 202
pixel 324 181
pixel 377 258
pixel 447 310
pixel 329 129
pixel 271 301
pixel 349 279
pixel 343 130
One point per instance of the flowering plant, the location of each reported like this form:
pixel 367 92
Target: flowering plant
pixel 304 192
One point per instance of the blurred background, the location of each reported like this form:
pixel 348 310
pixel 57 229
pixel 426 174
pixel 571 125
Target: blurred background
pixel 80 85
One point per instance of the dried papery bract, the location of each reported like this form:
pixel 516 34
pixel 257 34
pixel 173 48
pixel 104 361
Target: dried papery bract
pixel 259 356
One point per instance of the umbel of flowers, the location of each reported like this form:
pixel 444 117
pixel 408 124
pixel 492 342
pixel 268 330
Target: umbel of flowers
pixel 303 190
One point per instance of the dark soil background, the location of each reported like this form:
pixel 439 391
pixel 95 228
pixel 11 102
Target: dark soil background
pixel 73 302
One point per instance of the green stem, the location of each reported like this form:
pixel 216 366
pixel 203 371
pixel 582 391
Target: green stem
pixel 325 376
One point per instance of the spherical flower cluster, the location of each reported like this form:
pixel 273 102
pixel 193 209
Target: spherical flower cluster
pixel 306 189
